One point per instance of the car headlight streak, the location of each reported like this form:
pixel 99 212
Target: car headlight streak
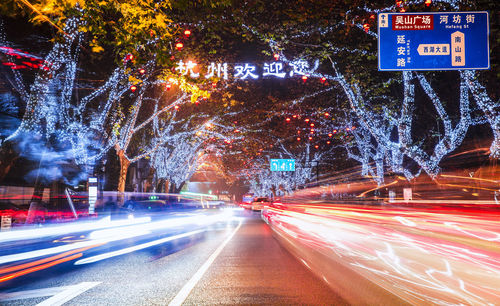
pixel 427 256
pixel 110 231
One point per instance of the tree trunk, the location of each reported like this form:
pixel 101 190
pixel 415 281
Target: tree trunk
pixel 124 164
pixel 167 186
pixel 178 189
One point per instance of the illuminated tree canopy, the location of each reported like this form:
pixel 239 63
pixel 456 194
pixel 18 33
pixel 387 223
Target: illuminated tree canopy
pixel 337 109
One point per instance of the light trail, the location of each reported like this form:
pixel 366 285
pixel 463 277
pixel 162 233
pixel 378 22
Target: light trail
pixel 135 248
pixel 98 234
pixel 40 267
pixel 77 227
pixel 438 256
pixel 41 261
pixel 120 232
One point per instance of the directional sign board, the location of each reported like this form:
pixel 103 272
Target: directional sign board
pixel 433 41
pixel 282 164
pixel 92 194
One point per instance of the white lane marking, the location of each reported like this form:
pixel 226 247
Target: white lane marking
pixel 68 294
pixel 184 292
pixel 134 248
pixel 29 294
pixel 59 295
pixel 305 263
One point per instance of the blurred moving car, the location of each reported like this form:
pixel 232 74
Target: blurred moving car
pixel 141 208
pixel 259 203
pixel 247 200
pixel 215 204
pixel 146 206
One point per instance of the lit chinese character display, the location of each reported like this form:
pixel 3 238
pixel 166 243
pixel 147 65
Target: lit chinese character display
pixel 274 69
pixel 217 69
pixel 247 70
pixel 243 72
pixel 299 67
pixel 185 68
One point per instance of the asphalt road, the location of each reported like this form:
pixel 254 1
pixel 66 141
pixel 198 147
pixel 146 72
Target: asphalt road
pixel 230 265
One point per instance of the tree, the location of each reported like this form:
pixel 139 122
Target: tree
pixel 109 116
pixel 374 98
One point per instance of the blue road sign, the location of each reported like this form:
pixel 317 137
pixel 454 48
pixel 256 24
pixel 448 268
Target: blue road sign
pixel 282 164
pixel 433 41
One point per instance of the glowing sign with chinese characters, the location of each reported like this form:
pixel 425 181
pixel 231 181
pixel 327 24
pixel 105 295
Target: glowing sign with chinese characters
pixel 433 41
pixel 247 71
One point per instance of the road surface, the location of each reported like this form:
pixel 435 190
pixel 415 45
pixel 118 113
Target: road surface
pixel 240 263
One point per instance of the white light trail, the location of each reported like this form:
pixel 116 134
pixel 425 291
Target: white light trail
pixel 135 248
pixel 121 233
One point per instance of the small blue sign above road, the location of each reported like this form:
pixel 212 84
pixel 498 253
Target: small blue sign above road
pixel 282 164
pixel 433 41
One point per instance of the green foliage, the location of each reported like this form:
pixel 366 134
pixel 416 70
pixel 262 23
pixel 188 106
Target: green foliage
pixel 122 26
